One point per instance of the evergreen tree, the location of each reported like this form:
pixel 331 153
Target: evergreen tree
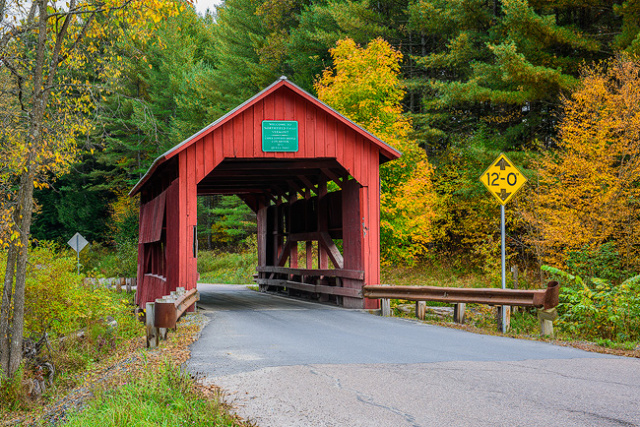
pixel 498 68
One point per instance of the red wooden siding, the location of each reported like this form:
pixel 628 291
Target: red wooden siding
pixel 320 136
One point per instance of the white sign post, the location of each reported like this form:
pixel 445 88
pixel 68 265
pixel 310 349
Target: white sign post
pixel 78 243
pixel 503 180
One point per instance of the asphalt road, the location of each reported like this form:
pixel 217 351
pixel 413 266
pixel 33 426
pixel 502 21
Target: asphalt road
pixel 284 362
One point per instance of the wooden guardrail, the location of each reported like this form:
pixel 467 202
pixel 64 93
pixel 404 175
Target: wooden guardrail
pixel 545 299
pixel 163 314
pixel 315 281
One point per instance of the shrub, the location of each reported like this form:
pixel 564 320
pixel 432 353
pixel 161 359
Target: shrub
pixel 12 394
pixel 605 312
pixel 603 262
pixel 58 303
pixel 99 261
pixel 74 316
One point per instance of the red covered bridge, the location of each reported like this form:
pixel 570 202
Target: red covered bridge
pixel 277 152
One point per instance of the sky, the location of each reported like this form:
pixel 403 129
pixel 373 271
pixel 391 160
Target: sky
pixel 203 5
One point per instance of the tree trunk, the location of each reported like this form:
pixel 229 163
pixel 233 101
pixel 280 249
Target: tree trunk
pixel 8 291
pixel 25 199
pixel 17 324
pixel 5 309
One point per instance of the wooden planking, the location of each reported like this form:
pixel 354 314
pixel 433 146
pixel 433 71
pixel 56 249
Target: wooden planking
pixel 365 166
pixel 340 141
pixel 279 105
pixel 372 257
pixel 278 113
pixel 320 133
pixel 352 237
pixel 308 287
pixel 199 166
pixel 182 219
pixel 289 114
pixel 258 117
pixel 270 114
pixel 330 137
pixel 247 134
pixel 300 111
pixel 349 152
pixel 310 125
pixel 348 274
pixel 192 218
pixel 289 106
pixel 208 154
pixel 351 224
pixel 227 139
pixel 172 249
pixel 357 160
pixel 366 236
pixel 270 108
pixel 237 141
pixel 218 147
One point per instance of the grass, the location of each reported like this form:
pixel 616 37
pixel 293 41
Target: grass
pixel 433 274
pixel 229 268
pixel 157 392
pixel 165 396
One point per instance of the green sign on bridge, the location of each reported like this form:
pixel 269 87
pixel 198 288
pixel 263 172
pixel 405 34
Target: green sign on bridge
pixel 279 136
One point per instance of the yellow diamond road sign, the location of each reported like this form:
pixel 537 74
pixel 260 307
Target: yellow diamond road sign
pixel 503 179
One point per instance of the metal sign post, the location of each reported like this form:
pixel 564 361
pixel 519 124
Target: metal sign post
pixel 504 275
pixel 78 243
pixel 503 180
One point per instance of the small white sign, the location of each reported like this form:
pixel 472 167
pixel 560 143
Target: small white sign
pixel 77 242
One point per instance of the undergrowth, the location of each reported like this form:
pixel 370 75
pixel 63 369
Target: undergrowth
pixel 164 396
pixel 77 326
pixel 433 274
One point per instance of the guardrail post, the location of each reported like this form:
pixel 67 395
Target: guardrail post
pixel 421 308
pixel 162 332
pixel 458 312
pixel 546 321
pixel 152 331
pixel 506 317
pixel 385 306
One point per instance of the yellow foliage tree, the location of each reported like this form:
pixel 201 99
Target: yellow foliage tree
pixel 48 52
pixel 588 192
pixel 364 85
